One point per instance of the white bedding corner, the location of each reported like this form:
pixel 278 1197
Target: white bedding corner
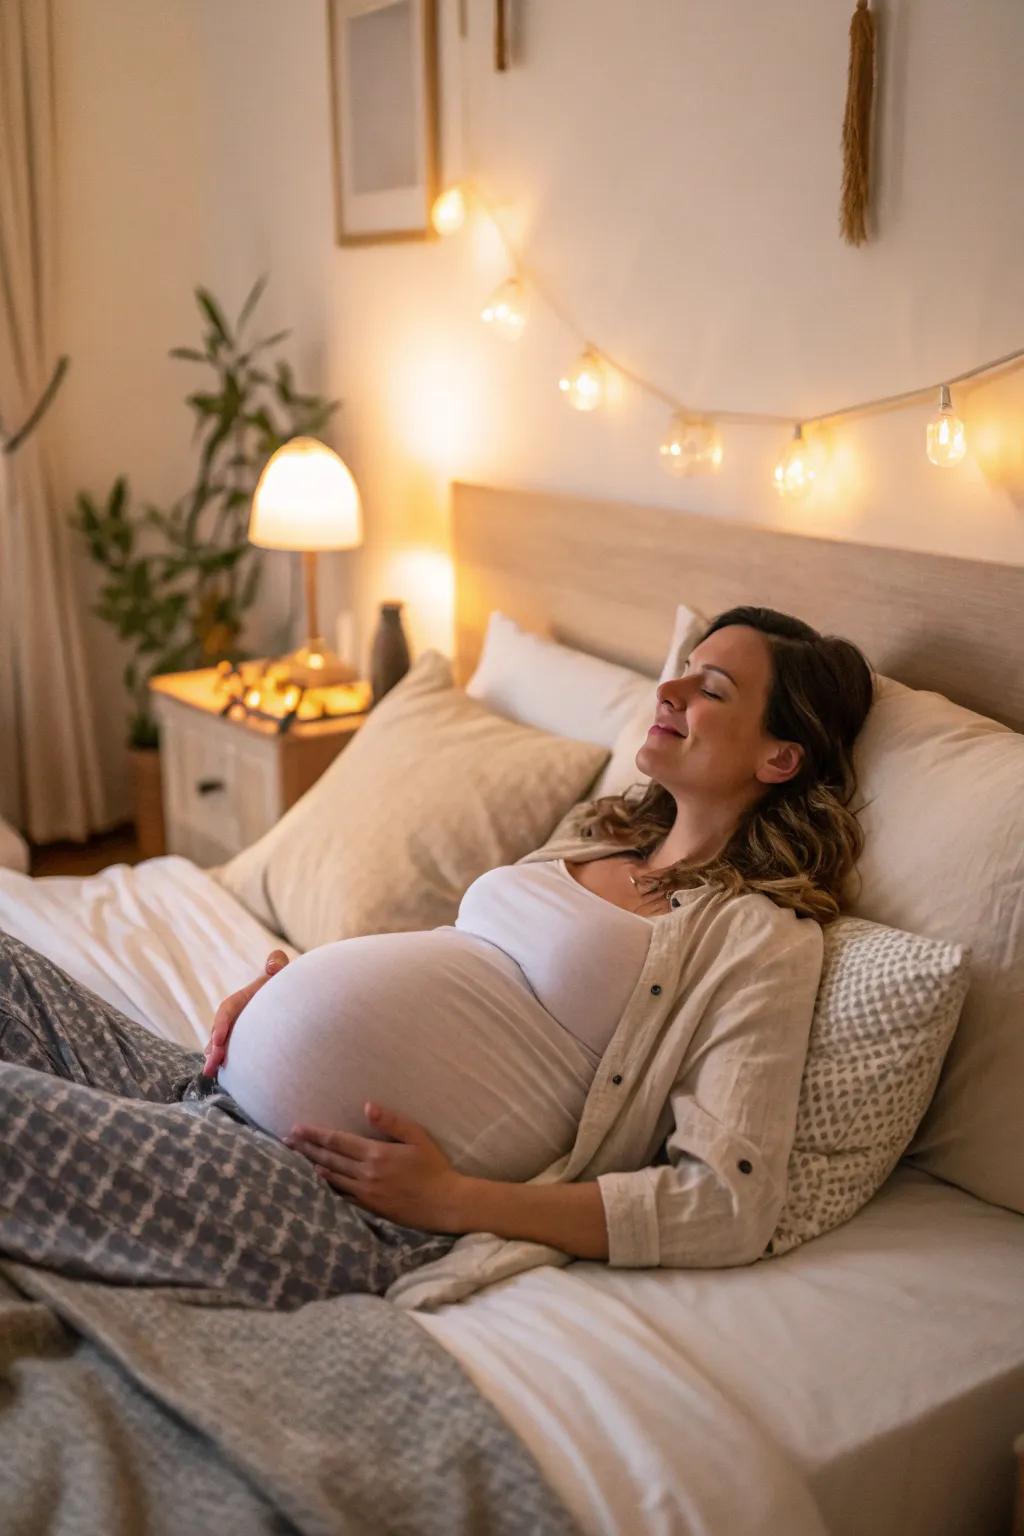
pixel 159 940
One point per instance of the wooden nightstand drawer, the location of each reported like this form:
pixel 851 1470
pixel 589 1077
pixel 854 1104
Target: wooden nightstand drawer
pixel 226 781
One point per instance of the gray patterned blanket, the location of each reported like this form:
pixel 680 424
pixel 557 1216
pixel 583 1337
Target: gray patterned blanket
pixel 143 1411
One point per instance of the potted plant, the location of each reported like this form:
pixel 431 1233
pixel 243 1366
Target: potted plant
pixel 179 580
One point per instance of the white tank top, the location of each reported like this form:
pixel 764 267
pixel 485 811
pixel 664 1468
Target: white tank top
pixel 580 954
pixel 487 1032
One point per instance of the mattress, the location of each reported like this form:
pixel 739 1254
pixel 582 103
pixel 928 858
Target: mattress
pixel 872 1380
pixel 885 1360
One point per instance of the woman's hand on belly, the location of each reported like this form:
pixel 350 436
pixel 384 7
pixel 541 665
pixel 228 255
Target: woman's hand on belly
pixel 226 1017
pixel 409 1179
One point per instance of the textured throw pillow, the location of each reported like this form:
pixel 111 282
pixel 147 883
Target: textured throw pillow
pixel 432 791
pixel 886 1010
pixel 621 769
pixel 537 681
pixel 943 793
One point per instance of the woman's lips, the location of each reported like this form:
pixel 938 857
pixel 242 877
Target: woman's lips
pixel 663 730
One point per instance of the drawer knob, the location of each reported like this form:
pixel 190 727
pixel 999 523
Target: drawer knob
pixel 210 786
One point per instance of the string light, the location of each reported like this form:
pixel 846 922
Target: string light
pixel 448 213
pixel 690 446
pixel 505 310
pixel 946 441
pixel 797 469
pixel 584 387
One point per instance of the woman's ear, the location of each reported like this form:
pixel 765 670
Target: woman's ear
pixel 783 762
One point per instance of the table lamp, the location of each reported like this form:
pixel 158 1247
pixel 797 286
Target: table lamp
pixel 306 500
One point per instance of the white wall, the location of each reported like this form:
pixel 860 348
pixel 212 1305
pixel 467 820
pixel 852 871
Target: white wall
pixel 671 170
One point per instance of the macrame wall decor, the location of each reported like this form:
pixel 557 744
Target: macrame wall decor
pixel 853 206
pixel 501 34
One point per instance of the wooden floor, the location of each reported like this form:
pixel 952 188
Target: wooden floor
pixel 118 846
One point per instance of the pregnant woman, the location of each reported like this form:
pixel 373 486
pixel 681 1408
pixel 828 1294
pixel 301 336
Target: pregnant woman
pixel 362 1106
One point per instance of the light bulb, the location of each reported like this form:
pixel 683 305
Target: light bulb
pixel 796 470
pixel 505 311
pixel 584 386
pixel 690 447
pixel 946 442
pixel 449 211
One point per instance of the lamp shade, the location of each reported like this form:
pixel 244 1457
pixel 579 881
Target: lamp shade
pixel 306 498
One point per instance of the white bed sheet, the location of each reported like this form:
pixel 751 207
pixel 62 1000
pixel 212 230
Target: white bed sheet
pixel 872 1380
pixel 884 1361
pixel 161 940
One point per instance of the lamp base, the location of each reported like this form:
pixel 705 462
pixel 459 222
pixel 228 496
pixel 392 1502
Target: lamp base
pixel 314 666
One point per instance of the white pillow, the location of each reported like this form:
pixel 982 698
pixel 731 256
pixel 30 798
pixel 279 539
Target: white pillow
pixel 432 791
pixel 887 1006
pixel 944 856
pixel 554 687
pixel 621 769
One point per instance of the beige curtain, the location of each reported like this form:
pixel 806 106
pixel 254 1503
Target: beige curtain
pixel 49 769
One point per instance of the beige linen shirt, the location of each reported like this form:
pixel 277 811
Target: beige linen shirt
pixel 704 1066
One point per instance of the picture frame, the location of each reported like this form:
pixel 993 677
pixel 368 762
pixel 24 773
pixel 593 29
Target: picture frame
pixel 384 118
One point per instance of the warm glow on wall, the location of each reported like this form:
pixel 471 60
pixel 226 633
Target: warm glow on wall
pixel 425 576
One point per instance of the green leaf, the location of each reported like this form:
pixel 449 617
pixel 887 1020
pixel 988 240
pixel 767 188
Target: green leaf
pixel 251 302
pixel 188 354
pixel 209 306
pixel 267 341
pixel 205 403
pixel 118 497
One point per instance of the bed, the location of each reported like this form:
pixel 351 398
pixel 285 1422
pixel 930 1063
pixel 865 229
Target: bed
pixel 873 1379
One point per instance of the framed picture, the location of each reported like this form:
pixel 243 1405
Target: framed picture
pixel 383 61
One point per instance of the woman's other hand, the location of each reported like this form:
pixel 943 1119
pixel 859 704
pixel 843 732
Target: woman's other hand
pixel 409 1179
pixel 226 1017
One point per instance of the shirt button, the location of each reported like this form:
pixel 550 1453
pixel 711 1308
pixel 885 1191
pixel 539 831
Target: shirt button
pixel 744 1166
pixel 617 1078
pixel 656 989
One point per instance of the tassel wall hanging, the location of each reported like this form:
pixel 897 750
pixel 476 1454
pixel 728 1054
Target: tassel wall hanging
pixel 856 192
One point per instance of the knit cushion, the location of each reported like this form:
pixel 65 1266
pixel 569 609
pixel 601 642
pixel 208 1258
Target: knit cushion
pixel 887 1006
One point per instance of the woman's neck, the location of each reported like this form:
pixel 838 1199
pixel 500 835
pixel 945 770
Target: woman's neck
pixel 698 833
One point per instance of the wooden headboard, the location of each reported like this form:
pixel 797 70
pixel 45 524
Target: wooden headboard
pixel 606 576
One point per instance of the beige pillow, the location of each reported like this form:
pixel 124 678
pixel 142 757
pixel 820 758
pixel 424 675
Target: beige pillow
pixel 432 791
pixel 887 1006
pixel 943 793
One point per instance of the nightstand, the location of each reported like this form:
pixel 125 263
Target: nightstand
pixel 226 781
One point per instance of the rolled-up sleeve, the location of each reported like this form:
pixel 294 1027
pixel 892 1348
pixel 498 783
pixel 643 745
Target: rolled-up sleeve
pixel 717 1200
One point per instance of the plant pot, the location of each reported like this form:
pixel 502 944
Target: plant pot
pixel 147 801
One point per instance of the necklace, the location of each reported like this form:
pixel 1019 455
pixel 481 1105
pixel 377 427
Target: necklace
pixel 632 878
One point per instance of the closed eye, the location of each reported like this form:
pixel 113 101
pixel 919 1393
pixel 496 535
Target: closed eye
pixel 710 695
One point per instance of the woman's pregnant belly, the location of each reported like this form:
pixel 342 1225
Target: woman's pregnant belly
pixel 440 1026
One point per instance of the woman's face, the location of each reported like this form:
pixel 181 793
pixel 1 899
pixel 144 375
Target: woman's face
pixel 717 704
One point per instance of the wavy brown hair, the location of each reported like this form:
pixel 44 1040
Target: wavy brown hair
pixel 799 842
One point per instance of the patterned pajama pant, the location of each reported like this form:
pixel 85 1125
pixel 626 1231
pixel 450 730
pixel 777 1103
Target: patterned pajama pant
pixel 117 1163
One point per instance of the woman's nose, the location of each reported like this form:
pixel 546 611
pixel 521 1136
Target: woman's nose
pixel 673 691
